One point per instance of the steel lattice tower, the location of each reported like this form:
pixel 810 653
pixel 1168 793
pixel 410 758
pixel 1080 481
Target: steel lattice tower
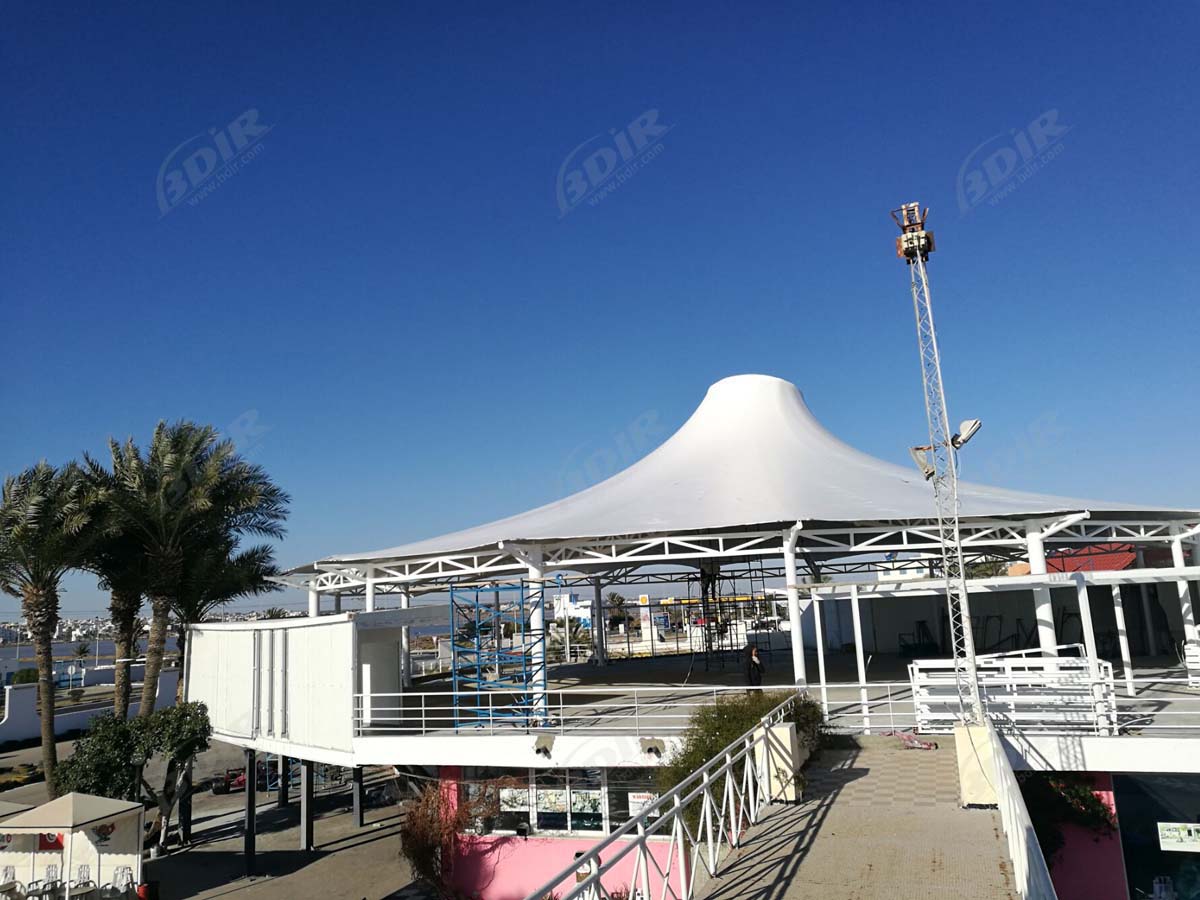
pixel 914 246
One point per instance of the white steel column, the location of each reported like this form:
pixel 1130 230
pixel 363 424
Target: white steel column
pixel 1089 632
pixel 1147 614
pixel 537 626
pixel 1089 644
pixel 861 658
pixel 1191 642
pixel 793 601
pixel 314 603
pixel 816 606
pixel 599 627
pixel 1043 608
pixel 1123 637
pixel 369 592
pixel 405 651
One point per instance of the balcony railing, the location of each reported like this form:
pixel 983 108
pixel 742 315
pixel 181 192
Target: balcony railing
pixel 1025 693
pixel 636 711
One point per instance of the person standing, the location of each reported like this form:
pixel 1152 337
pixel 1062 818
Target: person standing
pixel 754 668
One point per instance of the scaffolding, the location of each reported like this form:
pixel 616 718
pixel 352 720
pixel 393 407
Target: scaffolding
pixel 497 657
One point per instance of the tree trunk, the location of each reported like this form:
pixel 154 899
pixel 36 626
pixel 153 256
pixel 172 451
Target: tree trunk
pixel 124 611
pixel 41 614
pixel 121 685
pixel 181 644
pixel 156 646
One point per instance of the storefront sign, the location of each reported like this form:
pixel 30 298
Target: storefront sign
pixel 1182 837
pixel 639 800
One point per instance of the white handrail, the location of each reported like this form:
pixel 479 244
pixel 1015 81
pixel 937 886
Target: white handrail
pixel 1030 872
pixel 723 819
pixel 620 709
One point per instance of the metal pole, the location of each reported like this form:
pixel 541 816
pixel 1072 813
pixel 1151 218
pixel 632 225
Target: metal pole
pixel 1123 638
pixel 405 643
pixel 537 625
pixel 250 825
pixel 793 602
pixel 1043 606
pixel 860 658
pixel 369 592
pixel 914 245
pixel 1191 649
pixel 599 626
pixel 285 777
pixel 1147 613
pixel 314 603
pixel 356 775
pixel 306 805
pixel 816 605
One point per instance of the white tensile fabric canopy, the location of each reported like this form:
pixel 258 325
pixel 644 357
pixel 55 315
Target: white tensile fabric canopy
pixel 751 454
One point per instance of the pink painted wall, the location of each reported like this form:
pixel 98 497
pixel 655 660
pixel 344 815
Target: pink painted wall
pixel 1091 867
pixel 503 867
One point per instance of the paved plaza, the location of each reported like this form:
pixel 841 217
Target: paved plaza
pixel 877 823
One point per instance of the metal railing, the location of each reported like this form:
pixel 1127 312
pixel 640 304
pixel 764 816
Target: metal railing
pixel 868 707
pixel 1051 695
pixel 1030 872
pixel 704 817
pixel 637 711
pixel 1029 695
pixel 1158 707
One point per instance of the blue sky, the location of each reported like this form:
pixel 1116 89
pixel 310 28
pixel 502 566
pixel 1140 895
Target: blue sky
pixel 388 308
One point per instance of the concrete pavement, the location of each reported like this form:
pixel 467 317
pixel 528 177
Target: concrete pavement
pixel 877 823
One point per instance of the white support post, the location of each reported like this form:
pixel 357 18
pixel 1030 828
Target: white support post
pixel 816 607
pixel 1191 641
pixel 599 626
pixel 1123 638
pixel 405 649
pixel 793 601
pixel 1089 632
pixel 314 603
pixel 1043 608
pixel 1089 644
pixel 537 626
pixel 1147 614
pixel 369 591
pixel 859 654
pixel 67 875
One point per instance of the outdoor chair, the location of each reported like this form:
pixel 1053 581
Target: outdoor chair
pixel 10 888
pixel 121 887
pixel 44 889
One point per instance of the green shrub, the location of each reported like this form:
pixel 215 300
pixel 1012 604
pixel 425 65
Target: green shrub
pixel 25 676
pixel 714 727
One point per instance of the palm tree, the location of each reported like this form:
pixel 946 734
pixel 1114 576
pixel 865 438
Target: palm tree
pixel 275 612
pixel 46 529
pixel 119 562
pixel 190 487
pixel 215 573
pixel 616 607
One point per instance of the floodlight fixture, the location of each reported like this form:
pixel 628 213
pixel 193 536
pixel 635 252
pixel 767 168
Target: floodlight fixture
pixel 920 455
pixel 966 431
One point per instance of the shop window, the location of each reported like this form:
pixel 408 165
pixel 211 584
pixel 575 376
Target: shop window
pixel 512 795
pixel 630 791
pixel 587 799
pixel 550 791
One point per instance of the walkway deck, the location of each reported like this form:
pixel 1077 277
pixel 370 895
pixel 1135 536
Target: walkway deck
pixel 877 823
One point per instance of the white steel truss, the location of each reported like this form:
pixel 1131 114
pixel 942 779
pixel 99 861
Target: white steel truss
pixel 624 555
